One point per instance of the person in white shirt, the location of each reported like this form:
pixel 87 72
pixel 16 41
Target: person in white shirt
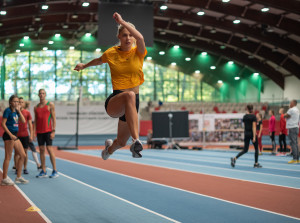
pixel 292 124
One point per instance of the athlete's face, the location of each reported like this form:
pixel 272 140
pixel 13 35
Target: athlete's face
pixel 126 39
pixel 42 94
pixel 22 103
pixel 15 102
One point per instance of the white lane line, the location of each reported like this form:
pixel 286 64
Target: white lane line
pixel 31 202
pixel 176 188
pixel 112 195
pixel 196 165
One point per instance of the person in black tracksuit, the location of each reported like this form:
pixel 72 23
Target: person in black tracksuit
pixel 250 134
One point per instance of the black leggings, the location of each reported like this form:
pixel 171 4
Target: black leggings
pixel 246 147
pixel 282 140
pixel 272 136
pixel 115 92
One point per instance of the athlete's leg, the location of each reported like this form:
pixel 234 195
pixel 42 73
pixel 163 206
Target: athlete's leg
pixel 20 151
pixel 52 156
pixel 122 137
pixel 34 154
pixel 246 147
pixel 125 103
pixel 8 145
pixel 26 158
pixel 43 157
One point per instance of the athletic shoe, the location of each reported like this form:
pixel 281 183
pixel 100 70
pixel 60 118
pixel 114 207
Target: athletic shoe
pixel 135 148
pixel 16 171
pixel 105 155
pixel 7 182
pixel 13 167
pixel 260 154
pixel 292 161
pixel 54 174
pixel 232 162
pixel 42 174
pixel 21 180
pixel 39 167
pixel 25 171
pixel 257 165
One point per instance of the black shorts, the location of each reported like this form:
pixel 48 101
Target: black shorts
pixel 115 92
pixel 44 138
pixel 7 137
pixel 25 141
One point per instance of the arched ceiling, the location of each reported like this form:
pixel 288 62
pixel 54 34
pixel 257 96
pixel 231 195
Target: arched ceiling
pixel 266 42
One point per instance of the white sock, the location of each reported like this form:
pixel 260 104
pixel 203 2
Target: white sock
pixel 34 155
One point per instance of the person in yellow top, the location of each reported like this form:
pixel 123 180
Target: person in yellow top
pixel 126 63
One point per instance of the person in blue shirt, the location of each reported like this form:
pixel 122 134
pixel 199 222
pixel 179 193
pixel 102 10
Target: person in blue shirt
pixel 10 124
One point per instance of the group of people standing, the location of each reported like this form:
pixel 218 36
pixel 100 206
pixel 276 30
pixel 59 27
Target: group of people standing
pixel 16 122
pixel 289 125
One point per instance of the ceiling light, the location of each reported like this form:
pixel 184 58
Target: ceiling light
pixel 57 35
pixel 2 12
pixel 75 16
pixel 163 7
pixel 1 24
pixel 88 34
pixel 65 26
pixel 30 29
pixel 180 23
pixel 213 30
pixel 162 33
pixel 45 48
pixel 173 64
pixel 250 57
pixel 149 58
pixel 71 48
pixel 200 13
pixel 275 49
pixel 37 19
pixel 176 46
pixel 225 1
pixel 212 67
pixel 85 4
pixel 188 59
pixel 265 9
pixel 18 51
pixel 98 50
pixel 245 39
pixel 204 53
pixel 220 81
pixel 236 21
pixel 45 7
pixel 26 37
pixel 21 44
pixel 270 30
pixel 222 47
pixel 237 78
pixel 50 42
pixel 197 71
pixel 256 74
pixel 193 39
pixel 230 62
pixel 161 52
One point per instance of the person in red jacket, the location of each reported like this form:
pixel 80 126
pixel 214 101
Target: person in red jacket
pixel 272 124
pixel 283 131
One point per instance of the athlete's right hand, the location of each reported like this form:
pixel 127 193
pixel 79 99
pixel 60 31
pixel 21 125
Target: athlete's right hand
pixel 13 137
pixel 79 67
pixel 254 139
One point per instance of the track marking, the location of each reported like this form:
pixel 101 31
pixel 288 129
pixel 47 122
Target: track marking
pixel 31 202
pixel 252 181
pixel 176 188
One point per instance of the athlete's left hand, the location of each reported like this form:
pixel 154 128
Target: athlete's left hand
pixel 118 18
pixel 52 135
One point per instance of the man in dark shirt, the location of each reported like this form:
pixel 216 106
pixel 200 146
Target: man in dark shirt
pixel 250 134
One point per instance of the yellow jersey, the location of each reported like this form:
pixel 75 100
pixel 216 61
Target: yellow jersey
pixel 126 67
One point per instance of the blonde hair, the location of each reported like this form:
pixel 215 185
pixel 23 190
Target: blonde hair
pixel 121 28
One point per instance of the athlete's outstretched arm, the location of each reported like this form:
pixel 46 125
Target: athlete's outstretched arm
pixel 140 43
pixel 94 62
